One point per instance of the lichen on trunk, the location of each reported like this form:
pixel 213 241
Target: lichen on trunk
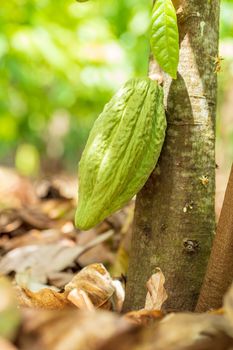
pixel 174 218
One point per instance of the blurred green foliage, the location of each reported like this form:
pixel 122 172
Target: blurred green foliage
pixel 60 61
pixel 226 23
pixel 59 64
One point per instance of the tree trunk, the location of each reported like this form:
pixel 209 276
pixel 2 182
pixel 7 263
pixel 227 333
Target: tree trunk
pixel 174 218
pixel 219 273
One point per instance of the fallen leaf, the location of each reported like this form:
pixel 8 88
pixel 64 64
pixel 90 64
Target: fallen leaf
pixel 156 295
pixel 95 281
pixel 35 218
pixel 45 298
pixel 185 331
pixel 5 345
pixel 43 260
pixel 180 331
pixel 228 309
pixel 58 208
pixel 143 317
pixel 18 220
pixel 70 329
pixel 89 289
pixel 57 187
pixel 119 295
pixel 9 221
pixel 33 237
pixel 80 299
pixel 101 253
pixel 60 279
pixel 15 190
pixel 26 281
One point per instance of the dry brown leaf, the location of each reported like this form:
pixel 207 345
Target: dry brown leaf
pixel 58 208
pixel 18 220
pixel 119 295
pixel 177 332
pixel 33 237
pixel 98 254
pixel 9 221
pixel 5 345
pixel 228 308
pixel 44 260
pixel 80 299
pixel 157 294
pixel 189 331
pixel 60 186
pixel 143 317
pixel 26 281
pixel 91 288
pixel 220 311
pixel 15 190
pixel 33 217
pixel 46 299
pixel 70 329
pixel 60 279
pixel 96 282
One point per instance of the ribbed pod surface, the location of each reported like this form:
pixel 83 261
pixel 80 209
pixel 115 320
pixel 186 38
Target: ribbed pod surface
pixel 122 149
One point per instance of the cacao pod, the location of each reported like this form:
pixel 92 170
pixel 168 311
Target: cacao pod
pixel 122 150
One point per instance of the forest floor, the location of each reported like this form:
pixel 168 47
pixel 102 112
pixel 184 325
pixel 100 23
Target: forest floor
pixel 61 288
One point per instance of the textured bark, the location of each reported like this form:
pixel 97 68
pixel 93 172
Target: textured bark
pixel 219 275
pixel 174 217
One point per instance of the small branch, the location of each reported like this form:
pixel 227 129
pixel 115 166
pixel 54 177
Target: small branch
pixel 219 273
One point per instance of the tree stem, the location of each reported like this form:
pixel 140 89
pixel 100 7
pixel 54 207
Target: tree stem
pixel 174 216
pixel 219 275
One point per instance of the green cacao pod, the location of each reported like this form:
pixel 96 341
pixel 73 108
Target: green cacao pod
pixel 122 150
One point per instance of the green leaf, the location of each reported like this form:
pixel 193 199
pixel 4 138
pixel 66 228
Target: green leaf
pixel 165 36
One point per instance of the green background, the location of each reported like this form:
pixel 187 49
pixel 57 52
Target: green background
pixel 61 61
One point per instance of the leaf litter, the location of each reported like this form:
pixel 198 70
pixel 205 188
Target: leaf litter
pixel 63 289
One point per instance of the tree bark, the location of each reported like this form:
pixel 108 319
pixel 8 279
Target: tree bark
pixel 219 275
pixel 174 218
